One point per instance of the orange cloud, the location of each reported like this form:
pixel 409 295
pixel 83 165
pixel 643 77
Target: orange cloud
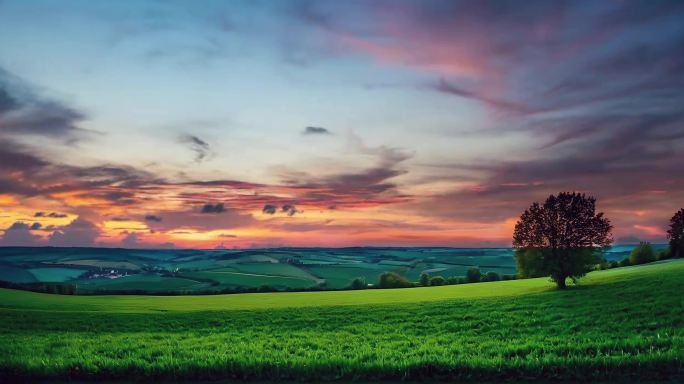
pixel 650 230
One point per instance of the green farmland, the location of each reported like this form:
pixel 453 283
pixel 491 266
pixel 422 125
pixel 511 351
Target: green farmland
pixel 188 271
pixel 618 324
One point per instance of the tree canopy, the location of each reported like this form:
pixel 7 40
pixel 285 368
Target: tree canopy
pixel 560 238
pixel 393 280
pixel 676 234
pixel 473 275
pixel 643 253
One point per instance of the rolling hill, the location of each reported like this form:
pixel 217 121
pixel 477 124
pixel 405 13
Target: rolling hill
pixel 617 324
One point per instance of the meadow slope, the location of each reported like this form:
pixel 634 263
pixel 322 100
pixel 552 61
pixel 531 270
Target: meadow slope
pixel 623 323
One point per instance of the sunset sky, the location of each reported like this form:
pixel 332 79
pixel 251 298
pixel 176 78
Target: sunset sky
pixel 333 123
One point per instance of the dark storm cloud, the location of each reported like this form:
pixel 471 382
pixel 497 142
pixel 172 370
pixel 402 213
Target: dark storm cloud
pixel 36 226
pixel 153 218
pixel 269 209
pixel 213 208
pixel 200 147
pixel 316 131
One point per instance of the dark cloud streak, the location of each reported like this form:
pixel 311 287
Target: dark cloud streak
pixel 200 147
pixel 316 131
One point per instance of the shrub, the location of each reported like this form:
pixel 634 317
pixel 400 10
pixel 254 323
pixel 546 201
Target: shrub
pixel 664 254
pixel 437 280
pixel 452 280
pixel 424 279
pixel 493 276
pixel 624 262
pixel 393 280
pixel 266 288
pixel 613 264
pixel 643 253
pixel 508 277
pixel 462 280
pixel 358 283
pixel 474 275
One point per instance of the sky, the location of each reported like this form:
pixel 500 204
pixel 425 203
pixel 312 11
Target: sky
pixel 237 124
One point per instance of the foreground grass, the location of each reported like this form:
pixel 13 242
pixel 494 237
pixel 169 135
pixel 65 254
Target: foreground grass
pixel 619 324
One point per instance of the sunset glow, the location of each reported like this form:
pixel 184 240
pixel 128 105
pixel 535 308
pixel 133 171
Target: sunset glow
pixel 333 123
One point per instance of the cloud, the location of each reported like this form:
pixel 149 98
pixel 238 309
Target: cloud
pixel 198 146
pixel 289 209
pixel 316 131
pixel 18 235
pixel 15 157
pixel 153 218
pixel 78 233
pixel 446 87
pixel 23 111
pixel 7 102
pixel 36 226
pixel 24 173
pixel 213 208
pixel 626 159
pixel 131 240
pixel 530 58
pixel 365 187
pixel 229 218
pixel 55 215
pixel 136 240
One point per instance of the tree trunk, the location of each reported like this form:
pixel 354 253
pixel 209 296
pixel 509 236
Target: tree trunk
pixel 560 282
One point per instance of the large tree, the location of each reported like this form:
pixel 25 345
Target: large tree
pixel 676 234
pixel 561 238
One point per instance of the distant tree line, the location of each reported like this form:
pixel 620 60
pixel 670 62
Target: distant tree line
pixel 56 288
pixel 394 280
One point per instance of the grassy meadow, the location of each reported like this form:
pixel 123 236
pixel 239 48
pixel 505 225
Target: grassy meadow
pixel 623 323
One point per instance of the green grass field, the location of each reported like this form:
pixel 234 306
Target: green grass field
pixel 623 323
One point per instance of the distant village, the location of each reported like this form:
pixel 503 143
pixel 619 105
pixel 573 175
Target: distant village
pixel 108 274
